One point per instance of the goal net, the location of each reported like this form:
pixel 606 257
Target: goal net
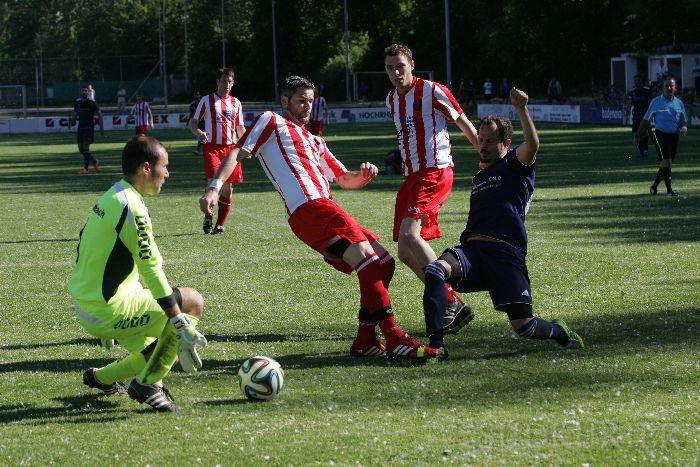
pixel 14 97
pixel 374 85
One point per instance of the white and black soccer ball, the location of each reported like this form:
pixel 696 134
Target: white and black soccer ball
pixel 260 378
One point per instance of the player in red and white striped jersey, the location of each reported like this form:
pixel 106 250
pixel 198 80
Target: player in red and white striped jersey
pixel 420 110
pixel 300 166
pixel 223 126
pixel 319 113
pixel 143 116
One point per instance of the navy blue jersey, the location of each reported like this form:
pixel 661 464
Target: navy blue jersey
pixel 85 110
pixel 500 199
pixel 640 99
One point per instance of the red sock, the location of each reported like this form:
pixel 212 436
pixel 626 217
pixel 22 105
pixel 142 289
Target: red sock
pixel 365 332
pixel 224 209
pixel 390 329
pixel 373 294
pixel 388 266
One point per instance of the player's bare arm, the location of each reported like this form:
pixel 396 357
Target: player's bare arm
pixel 211 193
pixel 240 131
pixel 201 135
pixel 527 150
pixel 468 130
pixel 357 179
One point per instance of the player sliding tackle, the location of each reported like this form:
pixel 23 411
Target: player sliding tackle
pixel 300 167
pixel 493 246
pixel 117 248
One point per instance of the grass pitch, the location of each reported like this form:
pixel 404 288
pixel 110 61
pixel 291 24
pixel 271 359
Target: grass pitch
pixel 620 266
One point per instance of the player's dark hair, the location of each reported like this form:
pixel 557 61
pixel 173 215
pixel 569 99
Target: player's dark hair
pixel 138 150
pixel 504 126
pixel 225 71
pixel 398 49
pixel 293 83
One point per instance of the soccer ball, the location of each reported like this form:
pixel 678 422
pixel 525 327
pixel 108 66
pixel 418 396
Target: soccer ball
pixel 260 378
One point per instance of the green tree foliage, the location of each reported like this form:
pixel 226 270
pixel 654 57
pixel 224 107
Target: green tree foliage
pixel 526 41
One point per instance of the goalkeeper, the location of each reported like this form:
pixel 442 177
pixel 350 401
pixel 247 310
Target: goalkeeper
pixel 117 248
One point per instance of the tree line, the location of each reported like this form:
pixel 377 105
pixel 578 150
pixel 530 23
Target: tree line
pixel 526 41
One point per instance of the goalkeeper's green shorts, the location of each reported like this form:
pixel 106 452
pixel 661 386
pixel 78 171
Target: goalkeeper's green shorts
pixel 135 319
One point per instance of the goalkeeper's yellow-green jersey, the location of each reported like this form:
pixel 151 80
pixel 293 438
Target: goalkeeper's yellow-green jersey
pixel 117 248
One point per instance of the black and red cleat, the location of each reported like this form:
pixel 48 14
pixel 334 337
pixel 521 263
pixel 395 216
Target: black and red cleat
pixel 410 349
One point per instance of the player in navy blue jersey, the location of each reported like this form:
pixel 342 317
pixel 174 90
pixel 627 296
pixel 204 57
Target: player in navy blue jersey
pixel 491 254
pixel 84 111
pixel 640 97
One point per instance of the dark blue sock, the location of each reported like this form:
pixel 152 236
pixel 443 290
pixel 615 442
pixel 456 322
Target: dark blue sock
pixel 435 302
pixel 539 328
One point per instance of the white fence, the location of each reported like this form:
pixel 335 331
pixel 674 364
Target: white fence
pixel 539 112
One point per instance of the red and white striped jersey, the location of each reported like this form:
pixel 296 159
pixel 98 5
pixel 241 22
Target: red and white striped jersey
pixel 419 115
pixel 319 109
pixel 221 117
pixel 297 163
pixel 140 111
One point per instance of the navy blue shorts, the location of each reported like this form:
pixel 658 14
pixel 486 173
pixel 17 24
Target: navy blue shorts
pixel 86 135
pixel 495 267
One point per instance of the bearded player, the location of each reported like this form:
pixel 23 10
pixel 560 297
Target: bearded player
pixel 300 167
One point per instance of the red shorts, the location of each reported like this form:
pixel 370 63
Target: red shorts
pixel 213 155
pixel 141 129
pixel 421 196
pixel 317 222
pixel 317 127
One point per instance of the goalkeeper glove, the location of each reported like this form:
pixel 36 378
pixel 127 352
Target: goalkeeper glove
pixel 107 343
pixel 190 338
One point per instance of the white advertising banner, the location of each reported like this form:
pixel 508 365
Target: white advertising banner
pixel 539 112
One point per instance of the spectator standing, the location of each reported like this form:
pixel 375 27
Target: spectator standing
pixel 554 90
pixel 488 90
pixel 471 93
pixel 504 90
pixel 121 99
pixel 696 75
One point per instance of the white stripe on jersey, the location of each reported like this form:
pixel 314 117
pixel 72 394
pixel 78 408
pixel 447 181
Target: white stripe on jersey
pixel 297 163
pixel 221 117
pixel 420 117
pixel 140 111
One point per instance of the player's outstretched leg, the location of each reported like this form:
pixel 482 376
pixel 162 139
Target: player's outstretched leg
pixel 374 298
pixel 114 389
pixel 533 327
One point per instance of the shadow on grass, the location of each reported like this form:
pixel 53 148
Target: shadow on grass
pixel 60 240
pixel 43 345
pixel 513 369
pixel 89 408
pixel 623 218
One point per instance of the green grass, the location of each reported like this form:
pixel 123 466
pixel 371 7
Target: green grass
pixel 620 266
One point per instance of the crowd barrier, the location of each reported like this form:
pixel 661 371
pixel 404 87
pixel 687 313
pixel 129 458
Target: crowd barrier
pixel 584 113
pixel 609 115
